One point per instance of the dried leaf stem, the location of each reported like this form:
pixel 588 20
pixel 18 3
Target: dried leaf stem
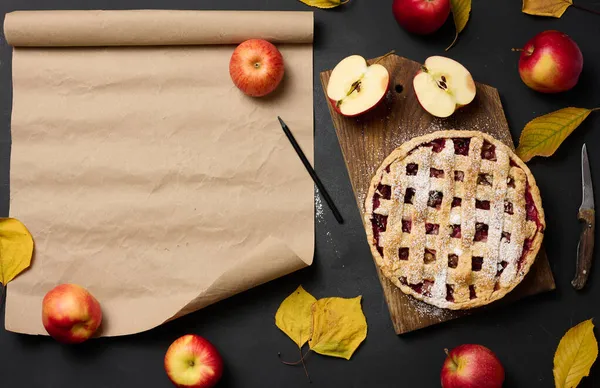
pixel 301 361
pixel 585 9
pixel 453 42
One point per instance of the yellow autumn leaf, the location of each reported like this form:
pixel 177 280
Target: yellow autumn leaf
pixel 294 316
pixel 338 327
pixel 553 8
pixel 16 249
pixel 575 355
pixel 543 135
pixel 461 9
pixel 324 4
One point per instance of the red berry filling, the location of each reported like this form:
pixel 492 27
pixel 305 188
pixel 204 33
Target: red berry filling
pixel 476 263
pixel 459 176
pixel 435 199
pixel 429 256
pixel 409 196
pixel 472 292
pixel 484 205
pixel 510 182
pixel 501 268
pixel 455 231
pixel 385 190
pixel 403 253
pixel 481 232
pixel 461 146
pixel 452 260
pixel 406 226
pixel 506 236
pixel 449 292
pixel 526 248
pixel 484 179
pixel 418 288
pixel 423 288
pixel 508 207
pixel 532 212
pixel 437 145
pixel 376 201
pixel 435 173
pixel 412 169
pixel 488 151
pixel 432 228
pixel 379 224
pixel 456 202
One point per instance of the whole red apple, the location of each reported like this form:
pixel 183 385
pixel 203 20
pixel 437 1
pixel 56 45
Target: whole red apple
pixel 421 16
pixel 70 314
pixel 256 67
pixel 192 361
pixel 551 62
pixel 472 366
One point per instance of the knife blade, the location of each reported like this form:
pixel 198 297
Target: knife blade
pixel 587 216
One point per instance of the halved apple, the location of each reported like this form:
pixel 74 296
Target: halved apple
pixel 443 85
pixel 355 87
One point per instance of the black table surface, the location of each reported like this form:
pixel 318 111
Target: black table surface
pixel 524 334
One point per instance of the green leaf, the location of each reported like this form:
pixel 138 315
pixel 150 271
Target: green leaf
pixel 575 355
pixel 324 4
pixel 543 135
pixel 552 8
pixel 461 9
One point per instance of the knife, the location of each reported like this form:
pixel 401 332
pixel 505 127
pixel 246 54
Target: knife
pixel 587 215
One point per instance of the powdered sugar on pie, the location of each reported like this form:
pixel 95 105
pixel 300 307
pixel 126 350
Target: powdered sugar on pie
pixel 454 218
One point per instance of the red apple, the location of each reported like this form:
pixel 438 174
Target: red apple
pixel 472 366
pixel 355 88
pixel 192 361
pixel 421 16
pixel 256 67
pixel 70 314
pixel 551 62
pixel 443 85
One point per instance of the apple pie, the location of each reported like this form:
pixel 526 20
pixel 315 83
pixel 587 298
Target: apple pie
pixel 454 218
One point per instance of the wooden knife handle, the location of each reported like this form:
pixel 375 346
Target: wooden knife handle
pixel 585 248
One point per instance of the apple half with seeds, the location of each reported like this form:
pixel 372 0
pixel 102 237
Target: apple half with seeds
pixel 355 87
pixel 443 85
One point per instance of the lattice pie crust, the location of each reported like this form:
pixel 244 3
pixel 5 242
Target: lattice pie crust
pixel 454 218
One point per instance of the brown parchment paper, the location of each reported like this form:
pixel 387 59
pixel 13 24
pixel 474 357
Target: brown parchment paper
pixel 143 173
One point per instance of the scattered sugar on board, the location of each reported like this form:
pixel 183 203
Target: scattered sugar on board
pixel 318 207
pixel 427 310
pixel 332 243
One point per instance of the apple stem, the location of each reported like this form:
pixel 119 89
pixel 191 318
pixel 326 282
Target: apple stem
pixel 384 56
pixel 452 359
pixel 585 9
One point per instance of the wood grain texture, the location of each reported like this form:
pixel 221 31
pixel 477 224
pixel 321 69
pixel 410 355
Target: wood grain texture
pixel 585 249
pixel 366 141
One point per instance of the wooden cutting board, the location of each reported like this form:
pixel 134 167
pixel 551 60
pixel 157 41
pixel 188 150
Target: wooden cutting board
pixel 366 141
